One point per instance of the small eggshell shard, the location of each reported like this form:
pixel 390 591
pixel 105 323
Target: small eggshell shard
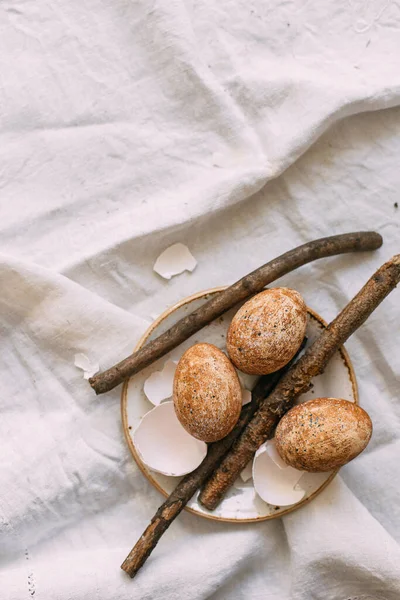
pixel 88 367
pixel 207 393
pixel 275 485
pixel 270 448
pixel 163 444
pixel 159 385
pixel 247 381
pixel 247 472
pixel 246 397
pixel 174 260
pixel 322 434
pixel 267 331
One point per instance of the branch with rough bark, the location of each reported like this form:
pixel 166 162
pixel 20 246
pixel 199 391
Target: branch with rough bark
pixel 293 383
pixel 185 489
pixel 297 380
pixel 223 301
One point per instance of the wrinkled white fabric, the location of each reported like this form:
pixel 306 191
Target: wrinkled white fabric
pixel 127 126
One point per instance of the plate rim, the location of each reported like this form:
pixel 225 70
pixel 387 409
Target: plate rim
pixel 125 426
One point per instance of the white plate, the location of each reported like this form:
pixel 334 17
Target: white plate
pixel 241 502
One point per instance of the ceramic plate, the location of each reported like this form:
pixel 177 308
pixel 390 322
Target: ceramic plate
pixel 241 503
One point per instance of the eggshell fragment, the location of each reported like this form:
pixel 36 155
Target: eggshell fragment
pixel 274 484
pixel 174 260
pixel 322 434
pixel 160 384
pixel 207 393
pixel 274 455
pixel 247 472
pixel 164 445
pixel 267 331
pixel 247 381
pixel 88 367
pixel 246 397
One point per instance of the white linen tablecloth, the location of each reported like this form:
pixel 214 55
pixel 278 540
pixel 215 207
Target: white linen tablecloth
pixel 241 129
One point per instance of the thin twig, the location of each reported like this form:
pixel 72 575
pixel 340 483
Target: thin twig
pixel 193 481
pixel 241 290
pixel 293 383
pixel 297 380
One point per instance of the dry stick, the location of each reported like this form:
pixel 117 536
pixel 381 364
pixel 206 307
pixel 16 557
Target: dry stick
pixel 297 380
pixel 223 301
pixel 292 384
pixel 193 481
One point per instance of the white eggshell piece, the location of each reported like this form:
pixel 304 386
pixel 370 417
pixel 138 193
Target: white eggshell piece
pixel 273 483
pixel 174 260
pixel 247 381
pixel 159 386
pixel 274 455
pixel 164 445
pixel 88 367
pixel 246 396
pixel 247 472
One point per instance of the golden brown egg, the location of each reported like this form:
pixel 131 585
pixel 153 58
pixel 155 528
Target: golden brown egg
pixel 322 434
pixel 267 331
pixel 207 393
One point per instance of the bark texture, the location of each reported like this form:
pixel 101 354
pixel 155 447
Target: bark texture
pixel 241 290
pixel 173 505
pixel 297 380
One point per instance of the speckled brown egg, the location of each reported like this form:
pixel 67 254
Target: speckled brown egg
pixel 267 331
pixel 207 393
pixel 322 434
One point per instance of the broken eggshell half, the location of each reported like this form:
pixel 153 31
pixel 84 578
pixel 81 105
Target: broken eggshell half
pixel 164 445
pixel 174 260
pixel 159 385
pixel 274 481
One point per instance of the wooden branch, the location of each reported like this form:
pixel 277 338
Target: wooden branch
pixel 297 380
pixel 293 383
pixel 223 301
pixel 193 481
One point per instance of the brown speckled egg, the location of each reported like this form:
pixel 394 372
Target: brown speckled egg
pixel 322 434
pixel 267 331
pixel 207 393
